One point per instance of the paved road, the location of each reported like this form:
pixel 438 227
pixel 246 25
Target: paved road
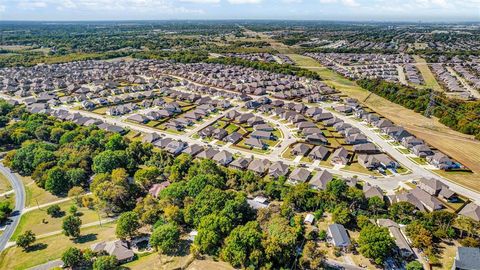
pixel 19 205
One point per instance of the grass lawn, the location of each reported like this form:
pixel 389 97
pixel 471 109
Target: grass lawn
pixel 419 160
pixel 429 78
pixel 52 247
pixel 288 154
pixel 33 220
pixel 101 110
pixel 4 184
pixel 355 167
pixel 403 150
pixel 466 179
pixel 231 128
pixel 35 194
pixel 446 256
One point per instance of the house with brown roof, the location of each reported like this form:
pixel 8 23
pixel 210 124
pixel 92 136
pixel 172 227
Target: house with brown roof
pixel 259 166
pixel 300 149
pixel 117 248
pixel 340 156
pixel 299 175
pixel 278 169
pixel 319 152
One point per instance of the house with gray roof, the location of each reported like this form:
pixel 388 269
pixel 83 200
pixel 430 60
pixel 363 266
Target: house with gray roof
pixel 467 258
pixel 319 152
pixel 208 153
pixel 259 166
pixel 223 157
pixel 404 248
pixel 117 248
pixel 430 202
pixel 278 169
pixel 300 149
pixel 338 235
pixel 340 156
pixel 193 149
pixel 471 210
pixel 320 180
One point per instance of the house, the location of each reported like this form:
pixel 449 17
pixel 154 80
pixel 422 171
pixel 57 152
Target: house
pixel 259 166
pixel 365 148
pixel 240 163
pixel 471 210
pixel 234 137
pixel 441 161
pixel 263 127
pixel 278 169
pixel 376 161
pixel 150 137
pixel 319 152
pixel 117 248
pixel 156 188
pixel 260 134
pixel 300 149
pixel 175 147
pixel 256 143
pixel 162 143
pixel 219 133
pixel 258 202
pixel 138 118
pixel 467 258
pixel 338 235
pixel 401 242
pixel 193 150
pixel 343 109
pixel 316 138
pixel 407 197
pixel 320 180
pixel 340 156
pixel 422 150
pixel 208 153
pixel 356 139
pixel 299 175
pixel 372 191
pixel 383 123
pixel 411 141
pixel 436 187
pixel 430 202
pixel 223 157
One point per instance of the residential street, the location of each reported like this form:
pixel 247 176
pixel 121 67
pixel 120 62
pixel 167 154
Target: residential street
pixel 19 190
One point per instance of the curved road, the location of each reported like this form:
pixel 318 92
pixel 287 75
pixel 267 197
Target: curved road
pixel 19 190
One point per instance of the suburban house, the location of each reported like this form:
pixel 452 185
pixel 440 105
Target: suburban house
pixel 320 180
pixel 375 161
pixel 300 149
pixel 340 156
pixel 467 258
pixel 256 143
pixel 299 175
pixel 240 163
pixel 156 188
pixel 430 202
pixel 338 235
pixel 223 157
pixel 372 191
pixel 258 202
pixel 472 211
pixel 208 153
pixel 404 248
pixel 319 152
pixel 117 248
pixel 234 137
pixel 435 187
pixel 441 161
pixel 193 150
pixel 278 169
pixel 259 166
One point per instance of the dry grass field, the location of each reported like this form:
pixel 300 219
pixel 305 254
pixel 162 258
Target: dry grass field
pixel 430 81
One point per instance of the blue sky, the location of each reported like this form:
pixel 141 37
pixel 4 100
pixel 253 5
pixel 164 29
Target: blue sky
pixel 378 10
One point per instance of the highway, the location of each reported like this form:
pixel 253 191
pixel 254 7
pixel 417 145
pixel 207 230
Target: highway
pixel 19 190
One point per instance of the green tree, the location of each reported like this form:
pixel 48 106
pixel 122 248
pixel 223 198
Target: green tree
pixel 106 263
pixel 375 204
pixel 242 245
pixel 211 231
pixel 54 211
pixel 312 256
pixel 57 183
pixel 76 193
pixel 375 243
pixel 414 265
pixel 401 212
pixel 77 177
pixel 71 226
pixel 165 238
pixel 72 257
pixel 279 241
pixel 341 214
pixel 26 239
pixel 336 188
pixel 116 142
pixel 145 177
pixel 109 160
pixel 127 225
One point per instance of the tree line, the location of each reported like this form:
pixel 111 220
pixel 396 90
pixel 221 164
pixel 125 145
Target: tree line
pixel 462 116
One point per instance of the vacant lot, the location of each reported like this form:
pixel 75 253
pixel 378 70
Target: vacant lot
pixel 460 146
pixel 427 74
pixel 4 184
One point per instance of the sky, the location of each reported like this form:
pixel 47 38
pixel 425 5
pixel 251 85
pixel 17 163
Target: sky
pixel 344 10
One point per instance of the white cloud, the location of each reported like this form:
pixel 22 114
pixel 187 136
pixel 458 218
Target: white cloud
pixel 350 3
pixel 201 1
pixel 239 2
pixel 2 8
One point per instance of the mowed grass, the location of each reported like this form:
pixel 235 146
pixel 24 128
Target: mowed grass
pixel 52 247
pixel 428 77
pixel 4 184
pixel 35 194
pixel 41 223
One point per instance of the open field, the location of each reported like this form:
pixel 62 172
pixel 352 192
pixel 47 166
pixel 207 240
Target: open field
pixel 429 78
pixel 41 223
pixel 459 146
pixel 51 248
pixel 36 195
